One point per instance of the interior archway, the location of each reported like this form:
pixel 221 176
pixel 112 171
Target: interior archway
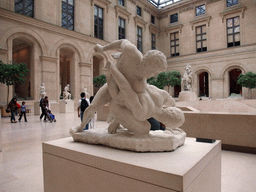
pixel 234 88
pixel 203 84
pixel 66 61
pixel 22 53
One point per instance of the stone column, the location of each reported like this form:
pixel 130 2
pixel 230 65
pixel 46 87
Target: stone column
pixel 217 88
pixel 86 76
pixel 49 76
pixel 3 87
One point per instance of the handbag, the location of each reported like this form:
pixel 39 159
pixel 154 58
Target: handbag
pixel 7 110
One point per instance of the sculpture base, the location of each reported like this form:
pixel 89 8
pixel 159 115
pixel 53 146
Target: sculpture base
pixel 37 109
pixel 66 106
pixel 72 166
pixel 124 139
pixel 187 96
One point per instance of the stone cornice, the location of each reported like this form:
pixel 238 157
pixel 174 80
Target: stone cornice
pixel 176 26
pixel 120 9
pixel 106 2
pixel 153 28
pixel 3 50
pixel 231 10
pixel 85 64
pixel 52 59
pixel 47 26
pixel 139 20
pixel 199 20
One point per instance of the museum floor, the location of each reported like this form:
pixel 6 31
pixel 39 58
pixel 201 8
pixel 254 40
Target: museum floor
pixel 21 159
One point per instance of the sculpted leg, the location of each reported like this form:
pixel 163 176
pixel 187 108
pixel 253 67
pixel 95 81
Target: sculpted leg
pixel 125 117
pixel 172 117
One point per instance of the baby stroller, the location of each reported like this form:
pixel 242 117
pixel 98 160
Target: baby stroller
pixel 50 116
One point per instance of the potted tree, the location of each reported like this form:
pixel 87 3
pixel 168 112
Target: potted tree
pixel 247 80
pixel 11 74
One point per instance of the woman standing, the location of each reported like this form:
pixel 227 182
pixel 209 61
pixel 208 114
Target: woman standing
pixel 13 107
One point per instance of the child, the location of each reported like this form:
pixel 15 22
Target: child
pixel 23 111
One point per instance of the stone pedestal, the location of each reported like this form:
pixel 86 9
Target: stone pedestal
pixel 1 147
pixel 37 108
pixel 72 166
pixel 187 96
pixel 66 106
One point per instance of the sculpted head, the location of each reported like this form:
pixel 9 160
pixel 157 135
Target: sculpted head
pixel 153 63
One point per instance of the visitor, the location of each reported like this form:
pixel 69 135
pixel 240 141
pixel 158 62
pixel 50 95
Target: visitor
pixel 44 104
pixel 13 108
pixel 23 111
pixel 92 122
pixel 83 103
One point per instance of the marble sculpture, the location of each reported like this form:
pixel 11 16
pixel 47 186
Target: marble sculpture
pixel 66 93
pixel 132 101
pixel 187 79
pixel 42 91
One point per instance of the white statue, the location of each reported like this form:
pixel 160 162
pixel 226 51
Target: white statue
pixel 86 92
pixel 131 100
pixel 66 93
pixel 42 91
pixel 187 79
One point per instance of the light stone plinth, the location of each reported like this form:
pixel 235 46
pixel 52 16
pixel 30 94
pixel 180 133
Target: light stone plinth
pixel 124 139
pixel 187 96
pixel 37 109
pixel 73 166
pixel 1 147
pixel 66 106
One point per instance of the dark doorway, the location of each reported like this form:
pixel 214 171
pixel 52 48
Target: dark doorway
pixel 203 84
pixel 177 90
pixel 233 86
pixel 22 54
pixel 96 72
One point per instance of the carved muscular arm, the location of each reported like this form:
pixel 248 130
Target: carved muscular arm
pixel 137 104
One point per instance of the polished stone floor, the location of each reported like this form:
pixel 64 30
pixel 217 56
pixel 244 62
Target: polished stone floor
pixel 21 159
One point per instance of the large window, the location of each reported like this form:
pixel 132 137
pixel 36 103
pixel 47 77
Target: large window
pixel 25 7
pixel 231 2
pixel 201 41
pixel 121 2
pixel 139 11
pixel 139 39
pixel 68 14
pixel 200 10
pixel 174 18
pixel 121 28
pixel 233 32
pixel 175 44
pixel 153 41
pixel 152 19
pixel 98 22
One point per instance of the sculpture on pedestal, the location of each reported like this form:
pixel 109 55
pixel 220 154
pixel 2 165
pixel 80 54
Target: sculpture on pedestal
pixel 187 79
pixel 132 101
pixel 42 91
pixel 66 93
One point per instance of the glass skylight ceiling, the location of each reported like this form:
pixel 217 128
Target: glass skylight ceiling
pixel 162 3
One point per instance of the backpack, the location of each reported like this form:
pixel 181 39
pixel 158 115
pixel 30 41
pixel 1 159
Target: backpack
pixel 41 103
pixel 84 105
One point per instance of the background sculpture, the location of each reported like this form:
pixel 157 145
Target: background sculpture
pixel 187 79
pixel 66 93
pixel 42 91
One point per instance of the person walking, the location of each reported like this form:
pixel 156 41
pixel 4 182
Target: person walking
pixel 23 111
pixel 83 103
pixel 44 104
pixel 13 108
